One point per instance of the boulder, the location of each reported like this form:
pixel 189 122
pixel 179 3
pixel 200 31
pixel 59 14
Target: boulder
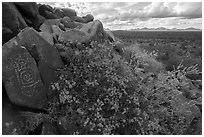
pixel 12 21
pixel 43 8
pixel 13 123
pixel 94 30
pixel 28 9
pixel 46 55
pixel 73 37
pixel 21 76
pixel 69 12
pixel 88 18
pixel 47 37
pixel 47 25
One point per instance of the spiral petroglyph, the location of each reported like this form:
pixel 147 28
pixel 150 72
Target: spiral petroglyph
pixel 25 75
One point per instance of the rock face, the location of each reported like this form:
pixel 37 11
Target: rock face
pixel 12 21
pixel 21 76
pixel 29 9
pixel 46 56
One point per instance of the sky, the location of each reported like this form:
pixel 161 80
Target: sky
pixel 132 15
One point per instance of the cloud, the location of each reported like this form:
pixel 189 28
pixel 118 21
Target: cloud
pixel 149 14
pixel 140 14
pixel 149 10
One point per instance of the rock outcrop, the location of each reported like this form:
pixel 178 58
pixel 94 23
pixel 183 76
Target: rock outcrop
pixel 21 76
pixel 42 35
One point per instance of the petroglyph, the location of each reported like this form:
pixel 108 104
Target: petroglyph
pixel 22 66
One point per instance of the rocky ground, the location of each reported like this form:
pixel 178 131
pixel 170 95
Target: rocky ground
pixel 37 42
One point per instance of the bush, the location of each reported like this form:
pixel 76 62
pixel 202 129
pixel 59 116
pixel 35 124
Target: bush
pixel 100 92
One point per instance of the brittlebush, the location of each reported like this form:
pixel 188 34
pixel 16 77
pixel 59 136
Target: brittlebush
pixel 101 92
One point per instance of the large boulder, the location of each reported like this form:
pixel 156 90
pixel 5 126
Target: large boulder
pixel 29 9
pixel 12 21
pixel 43 8
pixel 47 25
pixel 21 76
pixel 95 31
pixel 46 55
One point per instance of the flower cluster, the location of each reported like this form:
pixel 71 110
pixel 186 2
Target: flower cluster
pixel 102 93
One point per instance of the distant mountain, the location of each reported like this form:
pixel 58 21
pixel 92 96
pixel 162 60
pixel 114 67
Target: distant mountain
pixel 161 28
pixel 165 29
pixel 192 29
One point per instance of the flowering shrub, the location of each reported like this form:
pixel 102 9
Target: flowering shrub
pixel 100 92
